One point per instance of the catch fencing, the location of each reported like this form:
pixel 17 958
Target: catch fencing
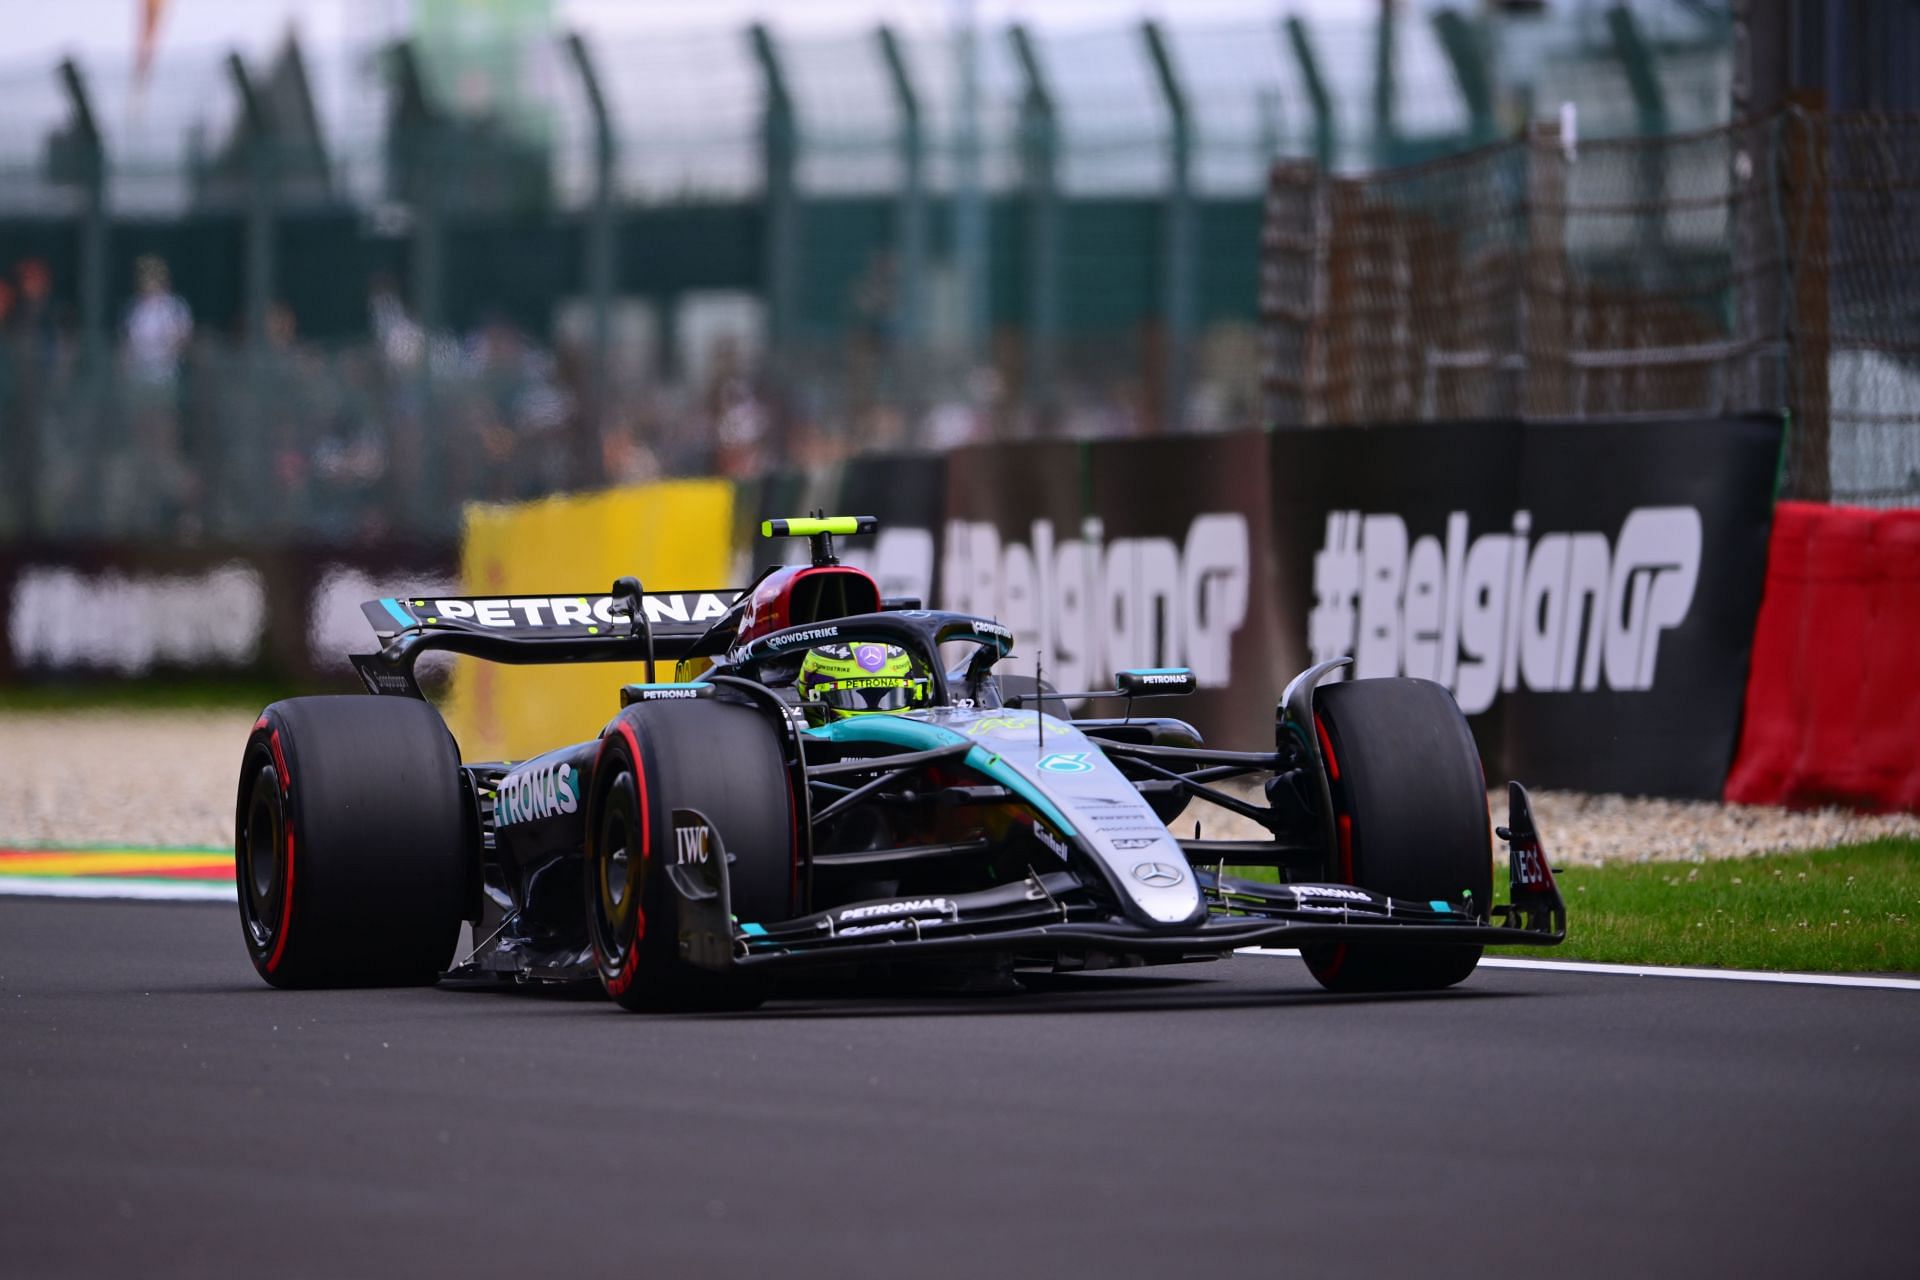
pixel 1759 266
pixel 474 258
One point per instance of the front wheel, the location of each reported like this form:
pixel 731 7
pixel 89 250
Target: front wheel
pixel 1410 816
pixel 723 759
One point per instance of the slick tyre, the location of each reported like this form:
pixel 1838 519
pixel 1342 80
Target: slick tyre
pixel 1410 814
pixel 723 759
pixel 351 852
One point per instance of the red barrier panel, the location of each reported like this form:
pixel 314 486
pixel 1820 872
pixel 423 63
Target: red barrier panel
pixel 1833 692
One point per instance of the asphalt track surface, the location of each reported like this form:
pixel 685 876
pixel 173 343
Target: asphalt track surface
pixel 163 1113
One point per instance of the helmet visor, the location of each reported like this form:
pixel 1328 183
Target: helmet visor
pixel 871 694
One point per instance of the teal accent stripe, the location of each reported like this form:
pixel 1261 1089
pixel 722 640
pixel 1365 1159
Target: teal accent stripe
pixel 992 766
pixel 400 615
pixel 1155 671
pixel 1438 905
pixel 672 684
pixel 895 731
pixel 753 930
pixel 917 735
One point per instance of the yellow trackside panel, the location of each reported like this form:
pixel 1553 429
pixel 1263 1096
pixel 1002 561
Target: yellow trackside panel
pixel 675 535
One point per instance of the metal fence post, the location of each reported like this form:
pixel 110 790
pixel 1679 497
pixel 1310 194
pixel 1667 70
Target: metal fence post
pixel 1460 39
pixel 90 168
pixel 1039 153
pixel 910 208
pixel 1385 139
pixel 1806 199
pixel 972 251
pixel 1324 138
pixel 1546 390
pixel 601 263
pixel 1636 61
pixel 779 156
pixel 422 141
pixel 242 464
pixel 258 281
pixel 1177 268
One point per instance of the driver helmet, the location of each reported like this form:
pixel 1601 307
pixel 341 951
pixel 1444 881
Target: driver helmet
pixel 838 680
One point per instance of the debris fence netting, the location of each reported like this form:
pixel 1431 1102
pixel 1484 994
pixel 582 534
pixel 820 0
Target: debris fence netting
pixel 1766 265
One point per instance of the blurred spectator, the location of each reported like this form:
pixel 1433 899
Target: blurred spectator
pixel 153 482
pixel 159 326
pixel 401 341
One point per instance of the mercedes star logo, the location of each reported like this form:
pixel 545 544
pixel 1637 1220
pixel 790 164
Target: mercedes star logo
pixel 1158 874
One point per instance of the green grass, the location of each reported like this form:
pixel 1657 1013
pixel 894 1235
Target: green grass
pixel 1846 910
pixel 197 694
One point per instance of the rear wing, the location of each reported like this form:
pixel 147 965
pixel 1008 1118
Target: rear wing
pixel 600 627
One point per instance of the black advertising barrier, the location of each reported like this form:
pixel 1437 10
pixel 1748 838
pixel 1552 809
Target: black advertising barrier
pixel 1188 576
pixel 1692 504
pixel 1587 590
pixel 124 611
pixel 1418 482
pixel 908 493
pixel 120 611
pixel 1120 554
pixel 1003 503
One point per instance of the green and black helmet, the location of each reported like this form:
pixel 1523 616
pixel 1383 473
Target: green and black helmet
pixel 862 679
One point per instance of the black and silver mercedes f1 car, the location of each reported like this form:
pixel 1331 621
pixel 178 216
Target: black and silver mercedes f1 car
pixel 833 781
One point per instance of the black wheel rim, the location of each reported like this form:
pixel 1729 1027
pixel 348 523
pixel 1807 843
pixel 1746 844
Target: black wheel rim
pixel 616 881
pixel 261 858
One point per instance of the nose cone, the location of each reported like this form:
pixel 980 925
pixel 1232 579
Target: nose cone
pixel 1158 880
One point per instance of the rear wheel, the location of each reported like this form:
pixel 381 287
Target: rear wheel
pixel 1410 813
pixel 350 849
pixel 724 760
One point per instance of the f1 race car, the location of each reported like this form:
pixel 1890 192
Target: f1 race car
pixel 836 781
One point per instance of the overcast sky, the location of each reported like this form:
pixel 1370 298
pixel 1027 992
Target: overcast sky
pixel 40 30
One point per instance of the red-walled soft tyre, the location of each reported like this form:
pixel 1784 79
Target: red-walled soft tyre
pixel 1410 808
pixel 723 759
pixel 350 844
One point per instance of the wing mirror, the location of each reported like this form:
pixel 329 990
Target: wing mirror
pixel 1141 682
pixel 1156 682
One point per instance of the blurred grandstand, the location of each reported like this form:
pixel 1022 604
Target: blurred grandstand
pixel 495 260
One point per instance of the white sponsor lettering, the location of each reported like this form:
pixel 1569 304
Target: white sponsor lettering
pixel 537 791
pixel 906 907
pixel 572 612
pixel 808 636
pixel 1503 611
pixel 890 926
pixel 62 619
pixel 1089 607
pixel 576 611
pixel 1328 891
pixel 692 843
pixel 1049 839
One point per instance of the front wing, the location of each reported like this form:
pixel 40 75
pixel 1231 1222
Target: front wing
pixel 1051 915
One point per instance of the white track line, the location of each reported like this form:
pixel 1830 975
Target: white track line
pixel 106 887
pixel 1660 971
